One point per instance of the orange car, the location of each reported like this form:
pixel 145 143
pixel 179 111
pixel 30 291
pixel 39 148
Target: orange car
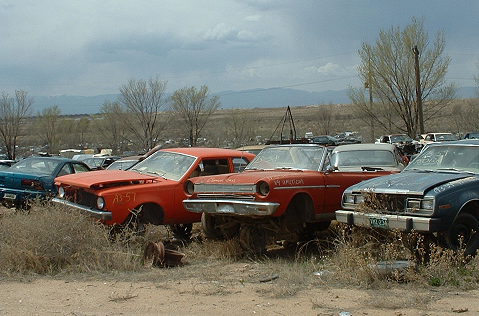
pixel 150 192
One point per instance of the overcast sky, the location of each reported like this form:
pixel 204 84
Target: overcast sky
pixel 92 47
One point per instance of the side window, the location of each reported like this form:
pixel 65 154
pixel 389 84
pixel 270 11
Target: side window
pixel 65 170
pixel 214 166
pixel 239 163
pixel 78 167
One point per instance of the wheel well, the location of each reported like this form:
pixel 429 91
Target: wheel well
pixel 150 213
pixel 471 207
pixel 300 209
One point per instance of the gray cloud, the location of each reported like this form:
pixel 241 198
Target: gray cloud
pixel 88 47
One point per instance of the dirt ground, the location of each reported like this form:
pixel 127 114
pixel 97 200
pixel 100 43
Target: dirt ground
pixel 161 291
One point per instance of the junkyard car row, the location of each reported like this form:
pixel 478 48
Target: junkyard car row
pixel 286 192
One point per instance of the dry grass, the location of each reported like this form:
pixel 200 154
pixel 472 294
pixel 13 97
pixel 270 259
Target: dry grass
pixel 51 240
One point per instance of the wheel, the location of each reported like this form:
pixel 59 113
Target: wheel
pixel 253 238
pixel 219 227
pixel 182 230
pixel 307 230
pixel 463 234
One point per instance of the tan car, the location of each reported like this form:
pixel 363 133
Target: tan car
pixel 367 157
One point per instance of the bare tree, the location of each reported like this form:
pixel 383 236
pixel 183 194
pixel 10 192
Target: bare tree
pixel 240 127
pixel 143 101
pixel 323 118
pixel 389 71
pixel 194 107
pixel 109 124
pixel 46 126
pixel 13 111
pixel 82 129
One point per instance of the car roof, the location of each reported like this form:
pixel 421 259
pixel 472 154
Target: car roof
pixel 251 147
pixel 56 158
pixel 206 151
pixel 367 146
pixel 469 142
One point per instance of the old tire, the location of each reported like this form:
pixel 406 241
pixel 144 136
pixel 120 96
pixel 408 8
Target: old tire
pixel 463 234
pixel 182 230
pixel 253 239
pixel 219 227
pixel 306 231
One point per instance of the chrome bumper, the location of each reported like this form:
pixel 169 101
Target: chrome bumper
pixel 389 221
pixel 246 208
pixel 93 212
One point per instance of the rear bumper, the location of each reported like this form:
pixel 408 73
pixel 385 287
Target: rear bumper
pixel 233 207
pixel 388 221
pixel 19 196
pixel 93 212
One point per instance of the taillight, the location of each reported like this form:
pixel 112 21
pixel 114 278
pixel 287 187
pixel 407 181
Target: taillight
pixel 33 184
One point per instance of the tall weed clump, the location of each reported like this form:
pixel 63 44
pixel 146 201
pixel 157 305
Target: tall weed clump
pixel 359 250
pixel 49 239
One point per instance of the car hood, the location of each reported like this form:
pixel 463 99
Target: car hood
pixel 410 182
pixel 250 176
pixel 102 177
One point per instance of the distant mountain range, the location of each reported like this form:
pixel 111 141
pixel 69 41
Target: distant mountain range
pixel 246 99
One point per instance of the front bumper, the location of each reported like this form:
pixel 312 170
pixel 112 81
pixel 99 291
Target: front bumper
pixel 389 221
pixel 233 207
pixel 93 212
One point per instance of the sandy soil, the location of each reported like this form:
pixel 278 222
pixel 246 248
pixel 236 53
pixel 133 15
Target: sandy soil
pixel 196 296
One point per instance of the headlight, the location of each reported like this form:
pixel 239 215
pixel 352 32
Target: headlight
pixel 348 198
pixel 262 188
pixel 189 187
pixel 427 205
pixel 418 206
pixel 352 199
pixel 61 192
pixel 100 203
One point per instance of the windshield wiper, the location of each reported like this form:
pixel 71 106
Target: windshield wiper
pixel 161 175
pixel 456 170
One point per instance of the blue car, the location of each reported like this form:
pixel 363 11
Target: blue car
pixel 33 178
pixel 436 195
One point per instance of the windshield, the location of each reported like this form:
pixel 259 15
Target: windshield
pixel 288 157
pixel 447 157
pixel 444 137
pixel 363 158
pixel 400 138
pixel 168 165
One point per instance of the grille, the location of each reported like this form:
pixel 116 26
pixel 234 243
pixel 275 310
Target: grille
pixel 385 203
pixel 84 198
pixel 206 196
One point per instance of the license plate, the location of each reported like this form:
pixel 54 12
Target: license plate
pixel 381 222
pixel 225 208
pixel 9 196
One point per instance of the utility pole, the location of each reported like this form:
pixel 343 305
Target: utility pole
pixel 418 90
pixel 369 84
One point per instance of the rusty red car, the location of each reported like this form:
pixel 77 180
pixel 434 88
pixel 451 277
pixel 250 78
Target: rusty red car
pixel 152 191
pixel 287 192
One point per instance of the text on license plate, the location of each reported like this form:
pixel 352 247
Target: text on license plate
pixel 381 222
pixel 9 196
